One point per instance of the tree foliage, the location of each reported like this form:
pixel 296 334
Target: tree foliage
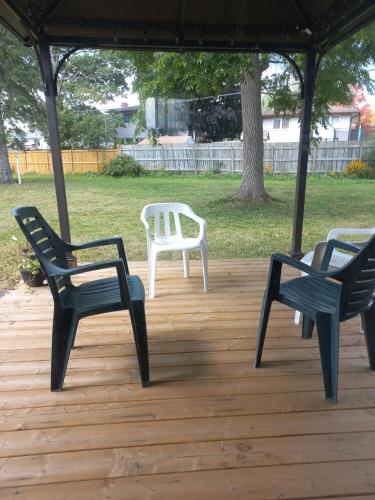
pixel 87 77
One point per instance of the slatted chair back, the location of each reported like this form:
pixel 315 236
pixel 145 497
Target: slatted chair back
pixel 358 278
pixel 47 245
pixel 164 214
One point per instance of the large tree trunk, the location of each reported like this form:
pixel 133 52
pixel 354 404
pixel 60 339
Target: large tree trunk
pixel 252 185
pixel 5 171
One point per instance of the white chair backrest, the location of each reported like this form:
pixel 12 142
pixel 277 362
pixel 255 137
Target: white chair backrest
pixel 162 213
pixel 344 233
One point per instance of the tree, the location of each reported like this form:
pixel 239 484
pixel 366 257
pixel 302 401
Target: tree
pixel 83 126
pixel 20 88
pixel 183 75
pixel 87 77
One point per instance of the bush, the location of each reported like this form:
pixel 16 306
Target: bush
pixel 123 166
pixel 359 168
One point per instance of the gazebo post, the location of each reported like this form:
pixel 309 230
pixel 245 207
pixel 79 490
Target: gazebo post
pixel 44 57
pixel 303 152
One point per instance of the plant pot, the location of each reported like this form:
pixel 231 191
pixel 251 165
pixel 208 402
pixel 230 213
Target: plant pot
pixel 32 279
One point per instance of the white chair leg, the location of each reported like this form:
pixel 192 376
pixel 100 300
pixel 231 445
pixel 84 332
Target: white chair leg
pixel 185 256
pixel 151 274
pixel 205 268
pixel 297 317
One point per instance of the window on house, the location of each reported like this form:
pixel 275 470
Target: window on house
pixel 335 121
pixel 281 123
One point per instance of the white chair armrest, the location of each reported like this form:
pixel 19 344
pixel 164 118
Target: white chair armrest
pixel 201 222
pixel 147 226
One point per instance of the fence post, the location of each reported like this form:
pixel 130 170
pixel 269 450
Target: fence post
pixel 25 161
pixel 195 163
pixel 72 159
pixel 273 158
pixel 18 167
pixel 162 157
pixel 360 150
pixel 313 159
pixel 232 154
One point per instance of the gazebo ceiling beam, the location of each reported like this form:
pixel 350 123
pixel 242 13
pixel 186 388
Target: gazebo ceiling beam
pixel 176 44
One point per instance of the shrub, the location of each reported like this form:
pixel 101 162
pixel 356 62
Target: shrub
pixel 267 168
pixel 359 168
pixel 123 166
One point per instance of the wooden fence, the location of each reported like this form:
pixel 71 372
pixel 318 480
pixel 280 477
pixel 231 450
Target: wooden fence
pixel 74 160
pixel 217 156
pixel 227 156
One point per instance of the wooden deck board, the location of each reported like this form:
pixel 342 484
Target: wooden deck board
pixel 210 426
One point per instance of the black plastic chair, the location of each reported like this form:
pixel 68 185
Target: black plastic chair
pixel 71 303
pixel 326 299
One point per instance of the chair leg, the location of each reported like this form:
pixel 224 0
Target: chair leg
pixel 185 256
pixel 63 334
pixel 368 323
pixel 307 327
pixel 205 268
pixel 328 327
pixel 140 338
pixel 263 322
pixel 151 274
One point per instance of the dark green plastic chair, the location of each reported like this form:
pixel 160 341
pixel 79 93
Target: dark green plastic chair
pixel 71 303
pixel 326 299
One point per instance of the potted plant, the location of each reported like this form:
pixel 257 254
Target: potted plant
pixel 31 272
pixel 29 267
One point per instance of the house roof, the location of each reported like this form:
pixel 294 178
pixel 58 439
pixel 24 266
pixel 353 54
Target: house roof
pixel 170 139
pixel 270 25
pixel 335 109
pixel 132 109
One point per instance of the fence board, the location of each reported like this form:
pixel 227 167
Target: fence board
pixel 74 160
pixel 227 156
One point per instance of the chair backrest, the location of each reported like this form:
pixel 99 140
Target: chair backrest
pixel 163 212
pixel 47 245
pixel 358 278
pixel 346 234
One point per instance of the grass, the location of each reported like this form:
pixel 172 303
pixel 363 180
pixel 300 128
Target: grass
pixel 102 206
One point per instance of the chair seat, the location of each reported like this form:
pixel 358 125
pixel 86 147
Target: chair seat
pixel 310 293
pixel 102 295
pixel 176 243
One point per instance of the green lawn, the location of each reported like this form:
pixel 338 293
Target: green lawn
pixel 102 206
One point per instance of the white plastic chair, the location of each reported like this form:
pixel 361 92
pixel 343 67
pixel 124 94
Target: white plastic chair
pixel 338 259
pixel 166 239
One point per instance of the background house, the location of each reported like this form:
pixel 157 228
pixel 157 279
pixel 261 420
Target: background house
pixel 343 125
pixel 128 132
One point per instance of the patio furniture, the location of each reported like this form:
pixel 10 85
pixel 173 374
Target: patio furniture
pixel 326 298
pixel 165 239
pixel 71 302
pixel 339 259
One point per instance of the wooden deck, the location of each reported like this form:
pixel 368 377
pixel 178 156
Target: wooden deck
pixel 209 427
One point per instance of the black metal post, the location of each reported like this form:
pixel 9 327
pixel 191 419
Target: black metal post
pixel 303 152
pixel 44 57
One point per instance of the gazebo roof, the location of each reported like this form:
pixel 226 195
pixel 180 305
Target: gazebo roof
pixel 269 25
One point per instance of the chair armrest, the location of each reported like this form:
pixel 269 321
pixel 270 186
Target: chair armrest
pixel 331 245
pixel 147 227
pixel 200 221
pixel 301 266
pixel 116 240
pixel 95 266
